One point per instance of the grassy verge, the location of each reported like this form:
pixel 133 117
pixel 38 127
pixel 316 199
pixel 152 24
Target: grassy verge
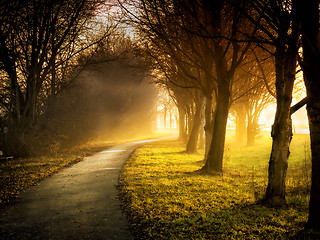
pixel 19 174
pixel 165 199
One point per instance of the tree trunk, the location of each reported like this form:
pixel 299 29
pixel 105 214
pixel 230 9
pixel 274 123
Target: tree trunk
pixel 313 109
pixel 194 135
pixel 240 125
pixel 201 137
pixel 182 127
pixel 165 118
pixel 190 119
pixel 281 135
pixel 53 80
pixel 251 132
pixel 309 17
pixel 208 128
pixel 285 67
pixel 278 164
pixel 215 155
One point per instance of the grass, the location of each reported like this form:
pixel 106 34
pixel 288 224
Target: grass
pixel 19 174
pixel 165 199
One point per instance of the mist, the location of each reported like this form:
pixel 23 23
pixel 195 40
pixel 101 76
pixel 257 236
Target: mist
pixel 109 100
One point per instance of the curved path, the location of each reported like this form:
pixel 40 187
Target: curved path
pixel 80 202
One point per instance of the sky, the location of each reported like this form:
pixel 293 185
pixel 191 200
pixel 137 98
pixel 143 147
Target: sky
pixel 299 119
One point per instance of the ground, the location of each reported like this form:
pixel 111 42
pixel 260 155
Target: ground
pixel 79 202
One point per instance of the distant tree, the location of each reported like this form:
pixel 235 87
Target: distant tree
pixel 175 49
pixel 249 98
pixel 107 99
pixel 260 100
pixel 189 101
pixel 183 101
pixel 166 103
pixel 254 94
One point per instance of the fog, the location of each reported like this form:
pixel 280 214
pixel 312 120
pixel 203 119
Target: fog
pixel 109 100
pixel 299 119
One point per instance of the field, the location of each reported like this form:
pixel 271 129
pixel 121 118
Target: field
pixel 166 199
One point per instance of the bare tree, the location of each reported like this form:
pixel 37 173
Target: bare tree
pixel 177 53
pixel 38 44
pixel 255 91
pixel 278 34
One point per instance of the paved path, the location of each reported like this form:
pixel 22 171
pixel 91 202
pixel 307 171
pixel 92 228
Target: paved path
pixel 80 202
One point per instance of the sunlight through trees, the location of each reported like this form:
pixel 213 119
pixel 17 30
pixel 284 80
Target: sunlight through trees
pixel 89 70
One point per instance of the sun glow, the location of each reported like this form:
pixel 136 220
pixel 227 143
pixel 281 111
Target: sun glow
pixel 299 118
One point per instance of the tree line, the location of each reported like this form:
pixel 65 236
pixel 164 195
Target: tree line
pixel 46 49
pixel 214 57
pixel 39 43
pixel 217 57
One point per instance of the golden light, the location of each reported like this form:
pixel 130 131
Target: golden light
pixel 299 118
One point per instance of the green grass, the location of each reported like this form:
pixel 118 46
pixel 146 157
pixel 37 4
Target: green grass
pixel 165 199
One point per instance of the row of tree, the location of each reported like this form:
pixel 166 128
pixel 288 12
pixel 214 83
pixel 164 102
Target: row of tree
pixel 39 43
pixel 234 55
pixel 67 74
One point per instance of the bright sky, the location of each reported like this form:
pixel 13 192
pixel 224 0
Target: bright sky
pixel 299 118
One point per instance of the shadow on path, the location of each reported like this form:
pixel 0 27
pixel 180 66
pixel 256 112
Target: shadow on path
pixel 80 202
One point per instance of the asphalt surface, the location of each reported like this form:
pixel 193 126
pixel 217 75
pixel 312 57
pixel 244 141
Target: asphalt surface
pixel 79 202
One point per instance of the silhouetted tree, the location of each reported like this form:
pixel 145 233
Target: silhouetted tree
pixel 279 35
pixel 253 91
pixel 225 22
pixel 39 40
pixel 162 26
pixel 309 17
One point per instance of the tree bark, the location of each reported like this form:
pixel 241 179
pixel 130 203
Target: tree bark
pixel 278 164
pixel 313 110
pixel 309 17
pixel 285 67
pixel 182 124
pixel 194 135
pixel 208 127
pixel 240 124
pixel 215 155
pixel 281 135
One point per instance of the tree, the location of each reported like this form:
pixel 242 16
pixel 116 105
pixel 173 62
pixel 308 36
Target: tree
pixel 228 55
pixel 188 100
pixel 166 26
pixel 253 91
pixel 107 99
pixel 38 44
pixel 278 34
pixel 309 17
